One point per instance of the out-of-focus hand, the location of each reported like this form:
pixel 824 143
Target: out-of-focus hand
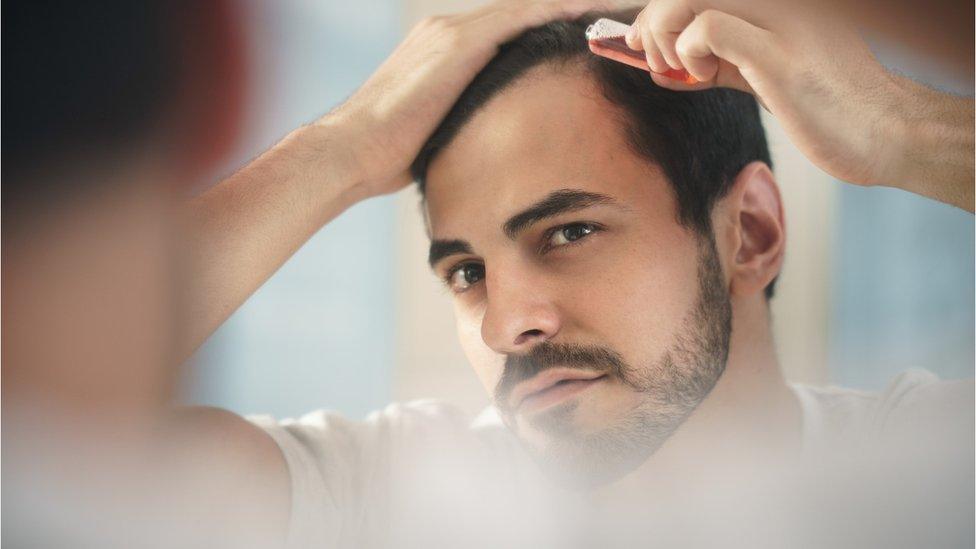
pixel 386 122
pixel 814 72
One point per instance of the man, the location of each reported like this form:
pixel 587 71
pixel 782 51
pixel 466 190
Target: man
pixel 611 247
pixel 336 474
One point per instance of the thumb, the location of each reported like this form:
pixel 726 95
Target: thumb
pixel 714 37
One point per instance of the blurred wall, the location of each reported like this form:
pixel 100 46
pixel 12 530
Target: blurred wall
pixel 903 270
pixel 320 333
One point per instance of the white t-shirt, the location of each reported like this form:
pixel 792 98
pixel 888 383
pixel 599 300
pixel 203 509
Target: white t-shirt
pixel 422 474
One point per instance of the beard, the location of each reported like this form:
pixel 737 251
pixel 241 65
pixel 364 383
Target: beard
pixel 670 389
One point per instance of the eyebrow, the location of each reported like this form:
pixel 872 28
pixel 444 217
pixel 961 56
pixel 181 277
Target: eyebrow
pixel 439 249
pixel 556 203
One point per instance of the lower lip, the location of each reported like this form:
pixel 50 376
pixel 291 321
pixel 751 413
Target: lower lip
pixel 557 393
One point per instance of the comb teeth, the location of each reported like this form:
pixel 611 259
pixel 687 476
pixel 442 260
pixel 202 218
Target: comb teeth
pixel 604 28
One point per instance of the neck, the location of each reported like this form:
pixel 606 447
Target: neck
pixel 751 418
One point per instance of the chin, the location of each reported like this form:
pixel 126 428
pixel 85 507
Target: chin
pixel 588 443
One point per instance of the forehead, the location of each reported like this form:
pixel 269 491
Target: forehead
pixel 552 129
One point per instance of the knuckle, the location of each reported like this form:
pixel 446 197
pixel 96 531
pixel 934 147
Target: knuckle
pixel 432 22
pixel 655 29
pixel 682 47
pixel 442 28
pixel 541 12
pixel 421 25
pixel 652 19
pixel 452 34
pixel 708 20
pixel 641 18
pixel 650 44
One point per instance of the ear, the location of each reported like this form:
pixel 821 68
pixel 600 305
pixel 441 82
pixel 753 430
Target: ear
pixel 751 218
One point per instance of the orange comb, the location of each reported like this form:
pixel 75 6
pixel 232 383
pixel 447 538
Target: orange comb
pixel 606 39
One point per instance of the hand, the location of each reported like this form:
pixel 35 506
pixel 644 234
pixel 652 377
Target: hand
pixel 842 109
pixel 386 122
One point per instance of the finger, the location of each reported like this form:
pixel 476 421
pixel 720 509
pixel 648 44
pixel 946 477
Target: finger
pixel 715 36
pixel 667 19
pixel 665 81
pixel 655 60
pixel 729 77
pixel 697 58
pixel 633 37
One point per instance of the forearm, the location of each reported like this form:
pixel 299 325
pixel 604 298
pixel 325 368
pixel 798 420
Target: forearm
pixel 242 230
pixel 936 159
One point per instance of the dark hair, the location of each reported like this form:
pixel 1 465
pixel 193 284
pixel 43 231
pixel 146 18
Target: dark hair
pixel 701 140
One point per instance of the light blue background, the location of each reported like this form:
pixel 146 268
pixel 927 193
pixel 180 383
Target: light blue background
pixel 903 288
pixel 902 271
pixel 320 333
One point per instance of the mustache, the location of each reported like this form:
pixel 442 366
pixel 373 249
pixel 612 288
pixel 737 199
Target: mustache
pixel 546 355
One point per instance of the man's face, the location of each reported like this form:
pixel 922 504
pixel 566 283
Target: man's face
pixel 595 321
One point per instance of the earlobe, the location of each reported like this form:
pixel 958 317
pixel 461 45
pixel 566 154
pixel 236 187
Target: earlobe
pixel 756 212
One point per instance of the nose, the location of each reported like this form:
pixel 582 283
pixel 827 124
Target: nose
pixel 520 313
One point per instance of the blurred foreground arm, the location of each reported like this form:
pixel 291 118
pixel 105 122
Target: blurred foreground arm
pixel 242 230
pixel 813 71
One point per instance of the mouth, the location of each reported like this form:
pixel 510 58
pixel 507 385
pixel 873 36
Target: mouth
pixel 552 387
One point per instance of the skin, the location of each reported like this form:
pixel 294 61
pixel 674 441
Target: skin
pixel 516 151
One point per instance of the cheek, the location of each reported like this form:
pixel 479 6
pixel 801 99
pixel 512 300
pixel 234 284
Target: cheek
pixel 638 304
pixel 487 364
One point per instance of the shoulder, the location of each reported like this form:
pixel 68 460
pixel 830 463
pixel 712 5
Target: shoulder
pixel 221 432
pixel 250 470
pixel 395 422
pixel 921 402
pixel 346 472
pixel 915 399
pixel 419 426
pixel 225 428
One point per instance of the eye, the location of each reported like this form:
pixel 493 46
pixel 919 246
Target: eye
pixel 568 234
pixel 465 275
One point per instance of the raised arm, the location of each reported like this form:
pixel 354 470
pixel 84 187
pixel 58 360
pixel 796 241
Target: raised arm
pixel 812 70
pixel 243 229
